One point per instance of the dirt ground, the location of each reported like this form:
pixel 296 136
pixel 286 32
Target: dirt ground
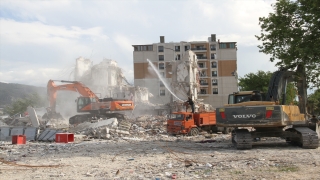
pixel 158 157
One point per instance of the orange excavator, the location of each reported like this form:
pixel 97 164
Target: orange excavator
pixel 88 103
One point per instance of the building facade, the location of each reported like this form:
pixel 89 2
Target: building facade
pixel 216 66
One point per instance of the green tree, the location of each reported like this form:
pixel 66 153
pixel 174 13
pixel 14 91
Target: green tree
pixel 260 81
pixel 255 81
pixel 291 36
pixel 313 102
pixel 20 105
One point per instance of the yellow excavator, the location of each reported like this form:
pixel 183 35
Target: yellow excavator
pixel 255 115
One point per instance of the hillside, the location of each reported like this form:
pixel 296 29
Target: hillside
pixel 10 92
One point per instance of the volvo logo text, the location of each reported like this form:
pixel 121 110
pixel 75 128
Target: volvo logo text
pixel 245 116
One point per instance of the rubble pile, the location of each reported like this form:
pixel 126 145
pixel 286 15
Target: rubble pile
pixel 2 123
pixel 139 148
pixel 149 125
pixel 19 121
pixel 43 123
pixel 102 129
pixel 155 157
pixel 112 128
pixel 55 124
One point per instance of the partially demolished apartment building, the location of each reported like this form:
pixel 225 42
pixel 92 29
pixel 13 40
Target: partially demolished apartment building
pixel 206 70
pixel 107 80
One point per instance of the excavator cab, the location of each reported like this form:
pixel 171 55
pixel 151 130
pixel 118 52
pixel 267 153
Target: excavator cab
pixel 86 104
pixel 244 96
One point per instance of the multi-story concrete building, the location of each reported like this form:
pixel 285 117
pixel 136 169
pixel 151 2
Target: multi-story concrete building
pixel 216 61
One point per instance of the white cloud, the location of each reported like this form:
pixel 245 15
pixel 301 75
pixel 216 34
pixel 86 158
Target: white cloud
pixel 241 15
pixel 123 42
pixel 243 40
pixel 246 13
pixel 39 33
pixel 209 9
pixel 40 40
pixel 35 76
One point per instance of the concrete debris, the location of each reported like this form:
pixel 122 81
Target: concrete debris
pixel 146 156
pixel 57 124
pixel 2 123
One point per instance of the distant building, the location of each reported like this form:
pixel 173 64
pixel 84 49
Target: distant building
pixel 216 66
pixel 107 80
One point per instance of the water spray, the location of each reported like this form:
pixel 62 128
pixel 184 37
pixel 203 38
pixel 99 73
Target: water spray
pixel 162 80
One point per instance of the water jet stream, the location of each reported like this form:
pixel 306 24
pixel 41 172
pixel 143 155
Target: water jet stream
pixel 162 80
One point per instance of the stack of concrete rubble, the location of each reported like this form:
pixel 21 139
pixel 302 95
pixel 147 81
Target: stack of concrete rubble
pixel 55 124
pixel 112 128
pixel 148 124
pixel 103 129
pixel 2 123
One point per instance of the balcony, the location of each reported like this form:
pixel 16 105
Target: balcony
pixel 202 58
pixel 213 49
pixel 160 50
pixel 202 67
pixel 214 66
pixel 213 57
pixel 204 84
pixel 199 49
pixel 203 92
pixel 203 75
pixel 214 92
pixel 177 50
pixel 215 84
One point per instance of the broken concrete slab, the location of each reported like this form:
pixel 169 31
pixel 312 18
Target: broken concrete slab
pixel 113 122
pixel 33 117
pixel 2 123
pixel 122 132
pixel 124 127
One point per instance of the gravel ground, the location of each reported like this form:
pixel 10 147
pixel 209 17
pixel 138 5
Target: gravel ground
pixel 158 157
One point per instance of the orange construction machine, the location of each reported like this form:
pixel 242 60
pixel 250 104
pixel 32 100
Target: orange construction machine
pixel 191 123
pixel 88 102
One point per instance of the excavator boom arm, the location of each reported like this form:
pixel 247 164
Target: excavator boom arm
pixel 277 85
pixel 75 86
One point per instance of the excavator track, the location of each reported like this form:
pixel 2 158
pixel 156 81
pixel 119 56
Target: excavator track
pixel 309 139
pixel 242 139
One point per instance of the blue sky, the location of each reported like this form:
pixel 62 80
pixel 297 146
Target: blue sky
pixel 40 40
